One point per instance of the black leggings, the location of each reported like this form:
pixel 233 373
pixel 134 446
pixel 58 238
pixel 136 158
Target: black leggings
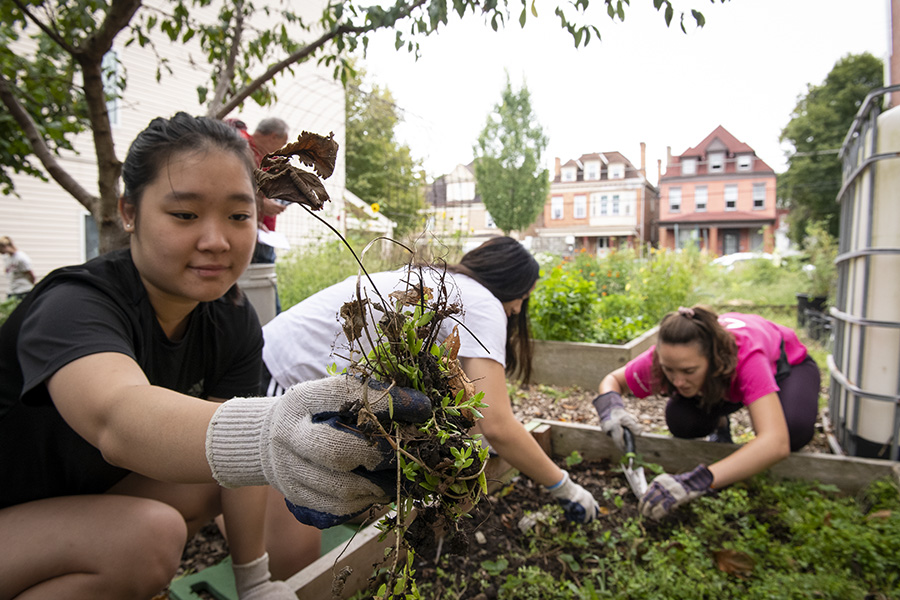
pixel 799 397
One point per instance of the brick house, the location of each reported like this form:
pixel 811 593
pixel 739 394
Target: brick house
pixel 596 202
pixel 455 209
pixel 718 195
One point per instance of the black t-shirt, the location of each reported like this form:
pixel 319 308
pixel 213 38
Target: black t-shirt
pixel 102 306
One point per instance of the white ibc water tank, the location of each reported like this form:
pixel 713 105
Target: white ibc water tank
pixel 864 400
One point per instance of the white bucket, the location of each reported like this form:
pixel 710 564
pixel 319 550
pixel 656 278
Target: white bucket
pixel 259 285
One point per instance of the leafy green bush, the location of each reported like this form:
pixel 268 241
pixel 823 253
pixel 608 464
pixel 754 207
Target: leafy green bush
pixel 6 308
pixel 563 306
pixel 305 271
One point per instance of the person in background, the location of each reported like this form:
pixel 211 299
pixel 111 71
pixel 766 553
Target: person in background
pixel 116 444
pixel 271 134
pixel 711 366
pixel 18 269
pixel 492 284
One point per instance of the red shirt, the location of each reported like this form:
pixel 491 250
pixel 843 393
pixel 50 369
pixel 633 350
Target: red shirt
pixel 258 154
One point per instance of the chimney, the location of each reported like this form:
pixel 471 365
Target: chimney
pixel 668 155
pixel 556 172
pixel 644 156
pixel 658 170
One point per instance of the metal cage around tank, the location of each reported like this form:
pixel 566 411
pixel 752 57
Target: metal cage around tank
pixel 864 403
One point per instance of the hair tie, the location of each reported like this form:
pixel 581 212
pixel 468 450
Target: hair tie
pixel 686 312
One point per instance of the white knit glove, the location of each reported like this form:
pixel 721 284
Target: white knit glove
pixel 308 446
pixel 578 503
pixel 252 582
pixel 613 417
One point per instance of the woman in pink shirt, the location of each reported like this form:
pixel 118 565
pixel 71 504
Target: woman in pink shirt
pixel 711 366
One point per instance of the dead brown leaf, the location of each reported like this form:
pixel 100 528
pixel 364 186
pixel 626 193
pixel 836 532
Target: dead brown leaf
pixel 734 563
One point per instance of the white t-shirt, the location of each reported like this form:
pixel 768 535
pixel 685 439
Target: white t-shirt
pixel 302 342
pixel 18 265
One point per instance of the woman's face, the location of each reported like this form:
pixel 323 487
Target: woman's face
pixel 514 307
pixel 684 365
pixel 194 231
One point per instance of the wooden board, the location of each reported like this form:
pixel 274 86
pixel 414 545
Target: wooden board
pixel 850 474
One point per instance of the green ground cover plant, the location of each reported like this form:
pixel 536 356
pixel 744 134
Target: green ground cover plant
pixel 757 539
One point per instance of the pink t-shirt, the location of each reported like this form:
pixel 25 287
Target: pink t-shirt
pixel 759 347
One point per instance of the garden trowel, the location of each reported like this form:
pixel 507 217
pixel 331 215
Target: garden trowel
pixel 636 478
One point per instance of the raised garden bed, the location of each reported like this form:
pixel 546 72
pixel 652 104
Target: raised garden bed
pixel 563 363
pixel 352 566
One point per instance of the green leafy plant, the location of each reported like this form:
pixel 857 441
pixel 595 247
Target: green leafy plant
pixel 563 306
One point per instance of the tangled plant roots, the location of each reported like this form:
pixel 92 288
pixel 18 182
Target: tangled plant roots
pixel 440 467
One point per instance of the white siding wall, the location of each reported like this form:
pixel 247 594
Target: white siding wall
pixel 47 223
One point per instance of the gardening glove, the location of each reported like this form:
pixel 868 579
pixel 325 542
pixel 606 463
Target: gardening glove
pixel 308 446
pixel 668 492
pixel 252 582
pixel 578 503
pixel 613 417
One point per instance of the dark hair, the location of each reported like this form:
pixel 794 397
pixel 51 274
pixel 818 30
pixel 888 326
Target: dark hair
pixel 508 270
pixel 163 138
pixel 701 325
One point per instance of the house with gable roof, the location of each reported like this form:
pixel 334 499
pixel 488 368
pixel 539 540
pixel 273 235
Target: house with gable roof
pixel 597 202
pixel 719 196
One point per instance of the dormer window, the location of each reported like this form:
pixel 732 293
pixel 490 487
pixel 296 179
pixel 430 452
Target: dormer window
pixel 744 162
pixel 716 162
pixel 592 171
pixel 617 171
pixel 569 174
pixel 688 166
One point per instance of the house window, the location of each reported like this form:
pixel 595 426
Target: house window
pixel 595 205
pixel 556 207
pixel 604 205
pixel 716 162
pixel 675 200
pixel 744 162
pixel 592 171
pixel 759 196
pixel 615 204
pixel 580 211
pixel 689 166
pixel 700 197
pixel 111 85
pixel 617 171
pixel 489 221
pixel 731 196
pixel 569 174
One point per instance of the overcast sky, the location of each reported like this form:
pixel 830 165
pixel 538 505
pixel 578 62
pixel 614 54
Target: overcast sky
pixel 641 83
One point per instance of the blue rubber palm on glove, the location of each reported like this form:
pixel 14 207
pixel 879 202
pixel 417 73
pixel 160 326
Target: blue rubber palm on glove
pixel 307 448
pixel 577 503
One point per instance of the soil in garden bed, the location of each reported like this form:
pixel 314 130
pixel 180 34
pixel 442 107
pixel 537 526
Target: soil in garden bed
pixel 500 523
pixel 552 403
